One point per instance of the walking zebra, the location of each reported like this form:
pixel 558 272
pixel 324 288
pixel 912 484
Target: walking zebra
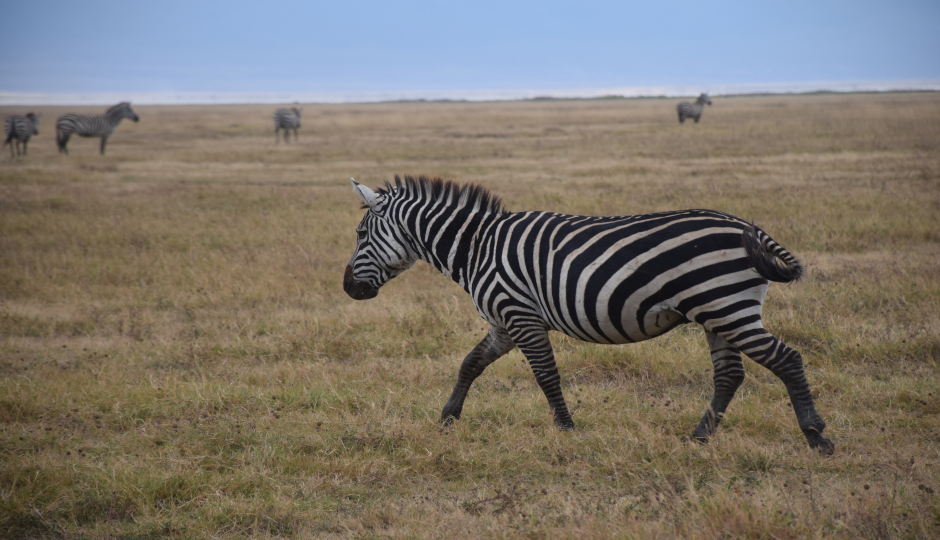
pixel 599 279
pixel 287 119
pixel 101 125
pixel 20 128
pixel 694 111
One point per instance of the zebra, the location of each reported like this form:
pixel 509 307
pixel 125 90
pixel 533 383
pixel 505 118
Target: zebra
pixel 610 280
pixel 102 125
pixel 287 119
pixel 690 110
pixel 21 128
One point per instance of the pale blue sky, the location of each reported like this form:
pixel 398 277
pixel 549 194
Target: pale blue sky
pixel 369 46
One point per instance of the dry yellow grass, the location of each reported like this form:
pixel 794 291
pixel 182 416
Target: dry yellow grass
pixel 178 358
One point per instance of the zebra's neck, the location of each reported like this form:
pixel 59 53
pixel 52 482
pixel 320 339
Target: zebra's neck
pixel 113 118
pixel 447 236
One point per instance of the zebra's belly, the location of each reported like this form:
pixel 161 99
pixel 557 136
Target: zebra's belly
pixel 656 322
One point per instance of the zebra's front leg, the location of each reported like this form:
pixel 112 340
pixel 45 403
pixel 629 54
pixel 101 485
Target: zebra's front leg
pixel 533 341
pixel 104 141
pixel 496 343
pixel 729 374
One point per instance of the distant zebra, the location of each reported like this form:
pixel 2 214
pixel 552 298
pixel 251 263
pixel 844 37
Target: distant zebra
pixel 694 111
pixel 286 119
pixel 92 126
pixel 20 129
pixel 599 279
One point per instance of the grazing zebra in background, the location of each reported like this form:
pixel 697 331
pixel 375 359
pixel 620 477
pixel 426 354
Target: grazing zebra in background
pixel 21 128
pixel 599 279
pixel 694 111
pixel 94 126
pixel 286 119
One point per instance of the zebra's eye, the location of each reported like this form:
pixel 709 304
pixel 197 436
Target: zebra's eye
pixel 362 234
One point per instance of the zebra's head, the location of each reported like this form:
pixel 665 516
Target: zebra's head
pixel 703 100
pixel 34 120
pixel 382 252
pixel 297 113
pixel 123 110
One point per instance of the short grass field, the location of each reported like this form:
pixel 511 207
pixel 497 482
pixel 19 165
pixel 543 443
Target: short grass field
pixel 178 358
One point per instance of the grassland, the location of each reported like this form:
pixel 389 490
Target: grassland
pixel 178 358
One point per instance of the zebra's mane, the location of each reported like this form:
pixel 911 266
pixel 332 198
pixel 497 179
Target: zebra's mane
pixel 446 191
pixel 121 105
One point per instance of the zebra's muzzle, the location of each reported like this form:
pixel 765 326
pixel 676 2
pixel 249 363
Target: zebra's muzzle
pixel 357 290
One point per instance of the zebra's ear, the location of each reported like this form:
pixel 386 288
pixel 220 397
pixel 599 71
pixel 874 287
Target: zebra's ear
pixel 368 197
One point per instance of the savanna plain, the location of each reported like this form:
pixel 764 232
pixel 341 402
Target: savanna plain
pixel 178 358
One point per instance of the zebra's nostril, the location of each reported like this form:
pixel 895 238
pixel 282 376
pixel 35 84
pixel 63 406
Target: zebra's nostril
pixel 357 290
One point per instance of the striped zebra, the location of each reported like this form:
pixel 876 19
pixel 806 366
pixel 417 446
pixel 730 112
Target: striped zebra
pixel 102 125
pixel 286 119
pixel 20 129
pixel 599 279
pixel 693 110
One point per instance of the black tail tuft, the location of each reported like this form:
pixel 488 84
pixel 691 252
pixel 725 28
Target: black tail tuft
pixel 769 258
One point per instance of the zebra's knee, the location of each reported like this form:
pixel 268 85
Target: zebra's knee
pixel 733 377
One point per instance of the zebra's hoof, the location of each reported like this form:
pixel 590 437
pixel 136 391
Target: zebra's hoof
pixel 825 446
pixel 700 439
pixel 447 420
pixel 816 440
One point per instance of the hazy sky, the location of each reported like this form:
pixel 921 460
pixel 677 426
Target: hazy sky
pixel 369 46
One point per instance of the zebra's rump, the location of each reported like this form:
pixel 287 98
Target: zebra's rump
pixel 631 278
pixel 286 119
pixel 19 127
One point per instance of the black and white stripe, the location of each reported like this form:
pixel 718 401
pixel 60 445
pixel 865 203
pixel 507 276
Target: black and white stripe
pixel 92 126
pixel 693 110
pixel 599 279
pixel 287 119
pixel 20 129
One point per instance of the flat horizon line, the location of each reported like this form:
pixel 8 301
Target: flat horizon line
pixel 9 98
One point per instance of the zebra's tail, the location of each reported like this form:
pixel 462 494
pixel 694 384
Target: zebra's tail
pixel 769 258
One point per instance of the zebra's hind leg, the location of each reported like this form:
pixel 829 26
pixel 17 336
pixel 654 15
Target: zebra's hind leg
pixel 496 343
pixel 62 140
pixel 787 364
pixel 729 374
